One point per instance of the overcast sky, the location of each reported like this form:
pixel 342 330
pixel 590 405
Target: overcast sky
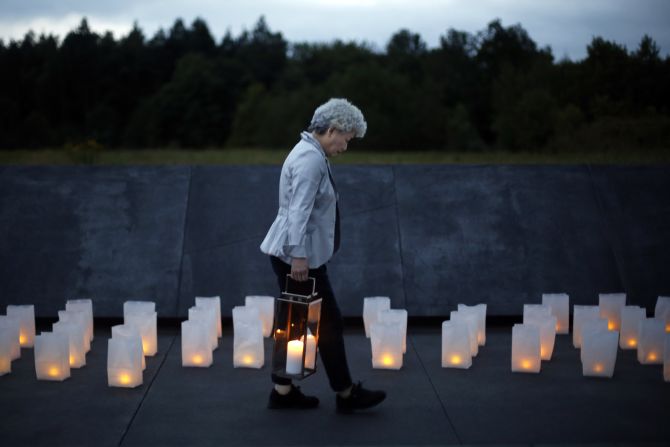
pixel 567 26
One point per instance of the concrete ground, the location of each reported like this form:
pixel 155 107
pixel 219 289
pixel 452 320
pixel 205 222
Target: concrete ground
pixel 426 404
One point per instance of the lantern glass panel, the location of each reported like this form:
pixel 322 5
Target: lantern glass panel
pixel 296 330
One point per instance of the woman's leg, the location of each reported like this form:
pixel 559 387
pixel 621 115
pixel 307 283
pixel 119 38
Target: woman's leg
pixel 331 339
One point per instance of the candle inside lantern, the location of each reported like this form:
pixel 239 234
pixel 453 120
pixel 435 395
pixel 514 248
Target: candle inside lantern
pixel 611 305
pixel 630 323
pixel 650 341
pixel 294 357
pixel 388 360
pixel 456 360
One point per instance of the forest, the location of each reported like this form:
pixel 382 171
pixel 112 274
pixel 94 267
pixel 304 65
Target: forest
pixel 180 88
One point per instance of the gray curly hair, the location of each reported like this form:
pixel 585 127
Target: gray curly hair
pixel 339 114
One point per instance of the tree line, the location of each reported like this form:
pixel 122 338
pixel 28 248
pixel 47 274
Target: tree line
pixel 494 89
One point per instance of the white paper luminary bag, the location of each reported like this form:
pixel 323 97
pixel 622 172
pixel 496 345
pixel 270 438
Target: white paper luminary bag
pixel 124 363
pixel 146 324
pixel 248 350
pixel 26 315
pixel 13 327
pixel 132 307
pixel 610 305
pixel 471 320
pixel 213 302
pixel 630 324
pixel 80 319
pixel 526 348
pixel 52 356
pixel 662 311
pixel 86 306
pixel 266 310
pixel 195 345
pixel 398 316
pixel 207 317
pixel 132 333
pixel 480 311
pixel 456 345
pixel 559 303
pixel 651 339
pixel 76 339
pixel 371 307
pixel 386 341
pixel 7 340
pixel 581 315
pixel 599 350
pixel 666 359
pixel 547 326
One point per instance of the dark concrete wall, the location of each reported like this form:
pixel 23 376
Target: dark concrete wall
pixel 429 237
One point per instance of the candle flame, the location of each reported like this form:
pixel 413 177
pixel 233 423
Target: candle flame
pixel 72 360
pixel 53 371
pixel 23 339
pixel 667 327
pixel 248 360
pixel 387 360
pixel 632 342
pixel 456 360
pixel 652 357
pixel 542 351
pixel 598 368
pixel 197 359
pixel 611 326
pixel 558 326
pixel 526 364
pixel 124 379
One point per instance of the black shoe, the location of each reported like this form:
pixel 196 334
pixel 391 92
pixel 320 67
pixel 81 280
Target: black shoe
pixel 359 399
pixel 294 399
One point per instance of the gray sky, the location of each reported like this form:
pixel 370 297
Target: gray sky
pixel 565 25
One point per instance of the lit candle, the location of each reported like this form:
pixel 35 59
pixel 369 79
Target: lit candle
pixel 197 359
pixel 310 355
pixel 124 378
pixel 598 368
pixel 526 364
pixel 456 360
pixel 632 342
pixel 652 357
pixel 294 357
pixel 388 360
pixel 53 371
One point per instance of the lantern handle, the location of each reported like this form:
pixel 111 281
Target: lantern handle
pixel 301 286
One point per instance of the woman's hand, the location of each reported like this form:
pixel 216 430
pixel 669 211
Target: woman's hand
pixel 299 269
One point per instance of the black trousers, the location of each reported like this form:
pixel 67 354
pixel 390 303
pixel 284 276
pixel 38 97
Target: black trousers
pixel 331 340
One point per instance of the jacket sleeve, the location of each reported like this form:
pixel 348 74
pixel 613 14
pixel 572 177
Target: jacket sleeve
pixel 306 176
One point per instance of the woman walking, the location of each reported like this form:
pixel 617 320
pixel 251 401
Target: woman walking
pixel 303 238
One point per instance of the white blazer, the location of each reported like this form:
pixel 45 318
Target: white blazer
pixel 305 223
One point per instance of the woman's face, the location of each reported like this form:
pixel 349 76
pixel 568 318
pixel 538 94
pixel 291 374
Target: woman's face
pixel 334 141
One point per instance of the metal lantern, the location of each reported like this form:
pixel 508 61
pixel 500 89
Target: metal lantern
pixel 296 330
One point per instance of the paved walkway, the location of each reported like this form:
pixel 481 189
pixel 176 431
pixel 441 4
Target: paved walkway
pixel 426 405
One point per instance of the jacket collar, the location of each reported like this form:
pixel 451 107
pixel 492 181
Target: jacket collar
pixel 308 137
